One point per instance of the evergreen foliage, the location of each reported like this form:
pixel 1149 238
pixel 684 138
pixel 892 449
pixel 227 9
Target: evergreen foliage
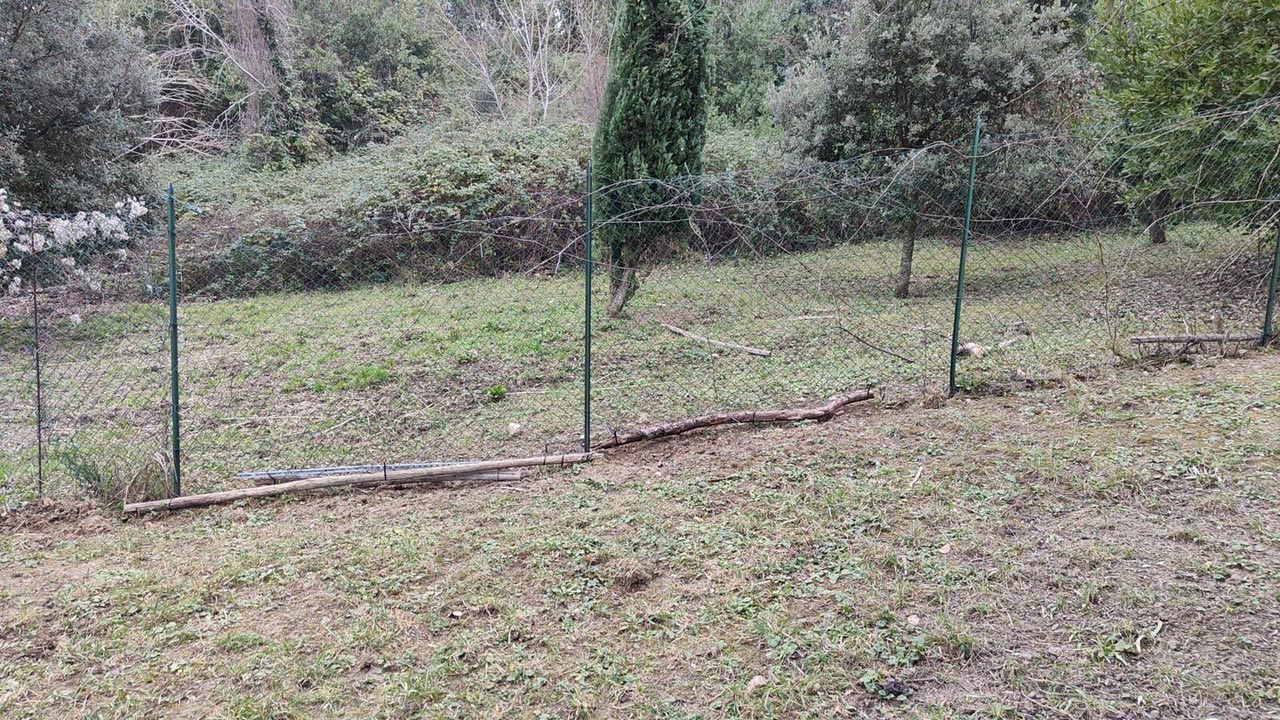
pixel 892 76
pixel 75 92
pixel 903 73
pixel 748 52
pixel 1193 108
pixel 653 125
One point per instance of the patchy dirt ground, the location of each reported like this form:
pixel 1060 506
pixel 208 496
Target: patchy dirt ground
pixel 1104 550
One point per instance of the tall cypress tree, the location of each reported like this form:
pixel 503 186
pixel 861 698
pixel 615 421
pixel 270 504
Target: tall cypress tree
pixel 653 124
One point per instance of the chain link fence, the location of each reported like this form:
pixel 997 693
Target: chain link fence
pixel 989 263
pixel 84 385
pixel 1087 268
pixel 19 420
pixel 396 349
pixel 783 292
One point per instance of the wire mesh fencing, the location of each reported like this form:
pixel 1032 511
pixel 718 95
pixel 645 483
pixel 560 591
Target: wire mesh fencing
pixel 766 290
pixel 398 349
pixel 19 421
pixel 984 263
pixel 84 390
pixel 1096 259
pixel 990 262
pixel 104 380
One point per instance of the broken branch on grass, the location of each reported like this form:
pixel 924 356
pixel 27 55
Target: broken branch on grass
pixel 873 346
pixel 743 417
pixel 442 473
pixel 718 343
pixel 1192 339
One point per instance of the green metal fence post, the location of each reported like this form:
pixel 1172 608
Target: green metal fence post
pixel 36 351
pixel 1268 325
pixel 174 414
pixel 964 255
pixel 586 316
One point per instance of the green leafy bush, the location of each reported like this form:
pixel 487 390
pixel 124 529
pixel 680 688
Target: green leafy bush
pixel 448 203
pixel 1201 119
pixel 367 79
pixel 75 90
pixel 437 204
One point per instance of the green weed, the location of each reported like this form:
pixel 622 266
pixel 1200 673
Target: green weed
pixel 116 480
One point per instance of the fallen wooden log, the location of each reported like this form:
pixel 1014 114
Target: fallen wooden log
pixel 821 412
pixel 718 343
pixel 492 475
pixel 1192 339
pixel 402 477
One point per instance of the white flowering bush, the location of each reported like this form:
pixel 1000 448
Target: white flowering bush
pixel 59 245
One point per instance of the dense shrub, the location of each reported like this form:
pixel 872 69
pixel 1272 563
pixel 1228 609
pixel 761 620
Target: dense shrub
pixel 1043 182
pixel 1201 119
pixel 365 73
pixel 440 204
pixel 74 93
pixel 748 51
pixel 1030 183
pixel 451 203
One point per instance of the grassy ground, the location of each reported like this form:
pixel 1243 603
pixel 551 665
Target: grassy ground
pixel 1098 550
pixel 402 373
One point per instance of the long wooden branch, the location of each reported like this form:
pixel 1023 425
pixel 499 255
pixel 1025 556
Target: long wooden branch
pixel 490 469
pixel 489 476
pixel 401 477
pixel 1193 339
pixel 821 412
pixel 718 343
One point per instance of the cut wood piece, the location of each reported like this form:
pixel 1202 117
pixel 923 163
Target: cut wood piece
pixel 977 351
pixel 401 477
pixel 1192 339
pixel 718 343
pixel 821 412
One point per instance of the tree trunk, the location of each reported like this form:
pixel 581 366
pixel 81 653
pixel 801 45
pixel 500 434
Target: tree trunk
pixel 1158 209
pixel 622 286
pixel 253 57
pixel 903 288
